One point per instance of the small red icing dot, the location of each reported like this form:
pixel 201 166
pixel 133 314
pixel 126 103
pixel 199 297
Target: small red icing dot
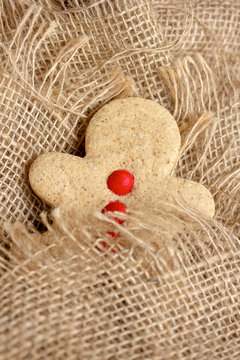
pixel 115 206
pixel 120 182
pixel 112 234
pixel 106 246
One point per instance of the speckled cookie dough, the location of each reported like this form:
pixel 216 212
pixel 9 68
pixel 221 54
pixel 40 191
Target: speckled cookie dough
pixel 134 135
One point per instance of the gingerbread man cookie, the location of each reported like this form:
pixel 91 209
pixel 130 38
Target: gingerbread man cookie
pixel 132 145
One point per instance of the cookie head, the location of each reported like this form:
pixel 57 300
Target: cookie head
pixel 136 132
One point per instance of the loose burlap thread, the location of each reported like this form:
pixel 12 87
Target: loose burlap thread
pixel 61 297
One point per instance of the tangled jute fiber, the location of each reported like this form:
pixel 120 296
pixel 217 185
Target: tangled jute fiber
pixel 63 296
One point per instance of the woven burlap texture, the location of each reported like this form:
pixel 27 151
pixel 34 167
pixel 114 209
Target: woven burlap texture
pixel 61 297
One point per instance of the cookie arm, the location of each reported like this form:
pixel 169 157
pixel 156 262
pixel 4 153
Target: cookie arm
pixel 61 179
pixel 191 193
pixel 49 178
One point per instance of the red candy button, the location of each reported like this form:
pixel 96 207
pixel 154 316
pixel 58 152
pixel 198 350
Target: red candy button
pixel 120 182
pixel 115 206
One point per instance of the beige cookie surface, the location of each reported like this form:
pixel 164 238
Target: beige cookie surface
pixel 135 130
pixel 133 134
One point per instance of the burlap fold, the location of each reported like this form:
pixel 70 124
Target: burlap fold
pixel 64 295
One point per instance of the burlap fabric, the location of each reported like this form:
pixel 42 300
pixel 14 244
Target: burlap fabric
pixel 62 298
